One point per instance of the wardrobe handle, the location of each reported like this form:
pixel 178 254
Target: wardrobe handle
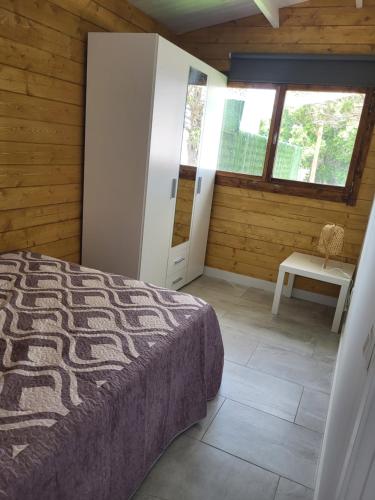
pixel 174 282
pixel 179 260
pixel 199 185
pixel 173 188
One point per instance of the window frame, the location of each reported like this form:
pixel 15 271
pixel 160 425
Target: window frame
pixel 344 194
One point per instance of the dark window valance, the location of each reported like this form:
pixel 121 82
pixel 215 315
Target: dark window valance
pixel 344 70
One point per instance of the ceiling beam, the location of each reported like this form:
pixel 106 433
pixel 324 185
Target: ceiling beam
pixel 270 11
pixel 359 4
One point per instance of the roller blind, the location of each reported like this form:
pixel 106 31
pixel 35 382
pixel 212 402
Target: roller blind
pixel 346 70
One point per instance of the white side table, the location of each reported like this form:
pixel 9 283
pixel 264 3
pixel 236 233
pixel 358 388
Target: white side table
pixel 310 266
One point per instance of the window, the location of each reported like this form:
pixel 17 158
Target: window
pixel 300 140
pixel 246 128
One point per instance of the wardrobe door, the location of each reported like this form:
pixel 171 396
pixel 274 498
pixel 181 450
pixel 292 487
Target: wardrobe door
pixel 195 106
pixel 163 169
pixel 205 180
pixel 118 117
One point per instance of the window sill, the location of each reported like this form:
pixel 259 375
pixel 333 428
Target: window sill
pixel 293 188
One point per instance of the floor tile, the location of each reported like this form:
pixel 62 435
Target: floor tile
pixel 222 303
pixel 220 286
pixel 192 470
pixel 267 330
pixel 312 411
pixel 288 490
pixel 197 431
pixel 221 294
pixel 260 390
pixel 301 311
pixel 255 296
pixel 303 369
pixel 267 441
pixel 238 346
pixel 326 347
pixel 291 308
pixel 301 316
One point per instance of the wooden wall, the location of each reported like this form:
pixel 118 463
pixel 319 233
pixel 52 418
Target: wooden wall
pixel 252 232
pixel 42 78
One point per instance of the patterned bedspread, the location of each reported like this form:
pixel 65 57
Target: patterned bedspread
pixel 98 374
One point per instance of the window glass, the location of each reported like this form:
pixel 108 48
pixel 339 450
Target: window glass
pixel 246 127
pixel 317 136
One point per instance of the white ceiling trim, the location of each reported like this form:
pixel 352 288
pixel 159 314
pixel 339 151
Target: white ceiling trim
pixel 270 11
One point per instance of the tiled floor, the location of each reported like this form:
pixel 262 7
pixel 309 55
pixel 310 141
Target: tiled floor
pixel 262 436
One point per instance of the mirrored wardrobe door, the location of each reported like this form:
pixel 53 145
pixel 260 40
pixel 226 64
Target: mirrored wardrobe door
pixel 193 124
pixel 184 204
pixel 209 149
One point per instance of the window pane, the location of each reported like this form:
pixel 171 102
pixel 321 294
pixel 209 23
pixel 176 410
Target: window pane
pixel 317 136
pixel 246 126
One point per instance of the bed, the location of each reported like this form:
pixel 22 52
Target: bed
pixel 98 374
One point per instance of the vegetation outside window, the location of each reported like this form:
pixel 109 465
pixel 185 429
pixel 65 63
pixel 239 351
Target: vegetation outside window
pixel 300 140
pixel 246 128
pixel 322 127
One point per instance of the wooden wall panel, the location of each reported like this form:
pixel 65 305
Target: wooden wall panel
pixel 42 76
pixel 252 232
pixel 42 55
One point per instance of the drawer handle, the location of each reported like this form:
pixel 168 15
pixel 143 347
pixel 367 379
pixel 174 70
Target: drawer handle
pixel 179 260
pixel 174 282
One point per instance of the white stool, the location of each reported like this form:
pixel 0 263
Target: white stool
pixel 338 273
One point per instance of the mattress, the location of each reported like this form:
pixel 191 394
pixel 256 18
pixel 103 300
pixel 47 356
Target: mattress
pixel 98 374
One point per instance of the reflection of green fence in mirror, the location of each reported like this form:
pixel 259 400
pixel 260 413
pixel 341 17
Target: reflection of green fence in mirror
pixel 245 153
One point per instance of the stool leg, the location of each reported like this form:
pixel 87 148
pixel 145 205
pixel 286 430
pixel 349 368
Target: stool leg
pixel 339 309
pixel 278 290
pixel 289 288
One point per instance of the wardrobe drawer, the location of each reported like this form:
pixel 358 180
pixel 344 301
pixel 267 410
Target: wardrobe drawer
pixel 177 258
pixel 176 280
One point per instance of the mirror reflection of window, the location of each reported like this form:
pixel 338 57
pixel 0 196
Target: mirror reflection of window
pixel 193 123
pixel 194 112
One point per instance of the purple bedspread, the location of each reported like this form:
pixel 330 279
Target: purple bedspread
pixel 98 374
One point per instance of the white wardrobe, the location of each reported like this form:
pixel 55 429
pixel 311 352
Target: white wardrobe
pixel 137 118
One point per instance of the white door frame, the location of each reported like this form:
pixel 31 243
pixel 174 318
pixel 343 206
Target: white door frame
pixel 347 465
pixel 360 458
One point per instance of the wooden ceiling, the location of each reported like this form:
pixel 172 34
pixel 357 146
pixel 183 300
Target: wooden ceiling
pixel 182 16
